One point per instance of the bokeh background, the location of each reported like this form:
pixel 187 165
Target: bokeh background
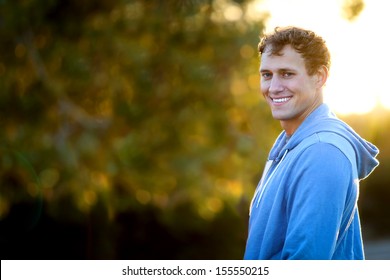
pixel 134 129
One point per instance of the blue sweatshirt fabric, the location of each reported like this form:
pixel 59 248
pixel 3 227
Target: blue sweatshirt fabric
pixel 305 206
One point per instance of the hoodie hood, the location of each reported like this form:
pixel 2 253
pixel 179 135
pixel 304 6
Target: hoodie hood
pixel 323 120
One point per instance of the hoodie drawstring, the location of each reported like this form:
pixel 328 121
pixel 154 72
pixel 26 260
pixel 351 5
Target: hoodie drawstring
pixel 262 187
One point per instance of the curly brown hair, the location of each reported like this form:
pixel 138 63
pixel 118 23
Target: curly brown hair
pixel 311 46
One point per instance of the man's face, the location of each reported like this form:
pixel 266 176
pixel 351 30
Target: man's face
pixel 290 92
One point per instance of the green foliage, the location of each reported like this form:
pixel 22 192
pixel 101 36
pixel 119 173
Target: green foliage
pixel 121 106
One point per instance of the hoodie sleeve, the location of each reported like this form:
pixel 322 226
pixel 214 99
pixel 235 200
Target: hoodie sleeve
pixel 321 181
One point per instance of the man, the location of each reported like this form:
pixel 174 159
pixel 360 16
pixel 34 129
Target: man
pixel 305 206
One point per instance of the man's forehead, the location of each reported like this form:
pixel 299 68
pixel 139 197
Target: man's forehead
pixel 287 58
pixel 286 50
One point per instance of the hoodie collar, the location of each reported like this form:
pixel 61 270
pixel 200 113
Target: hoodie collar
pixel 284 142
pixel 323 120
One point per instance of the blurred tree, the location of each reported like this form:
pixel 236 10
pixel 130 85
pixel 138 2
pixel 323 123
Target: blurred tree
pixel 351 9
pixel 117 109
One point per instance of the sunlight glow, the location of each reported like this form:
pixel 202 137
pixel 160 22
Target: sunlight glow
pixel 232 13
pixel 357 82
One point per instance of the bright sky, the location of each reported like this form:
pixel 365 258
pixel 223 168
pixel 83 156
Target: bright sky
pixel 358 74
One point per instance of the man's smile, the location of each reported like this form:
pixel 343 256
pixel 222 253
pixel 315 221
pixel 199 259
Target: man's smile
pixel 281 99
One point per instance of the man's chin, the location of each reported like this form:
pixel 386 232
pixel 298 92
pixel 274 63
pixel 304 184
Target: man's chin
pixel 278 116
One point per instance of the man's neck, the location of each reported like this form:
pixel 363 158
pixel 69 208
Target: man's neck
pixel 291 125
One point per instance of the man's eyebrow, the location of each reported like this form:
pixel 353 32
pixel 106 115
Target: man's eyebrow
pixel 263 70
pixel 286 70
pixel 277 70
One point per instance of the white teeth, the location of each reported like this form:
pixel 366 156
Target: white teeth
pixel 280 100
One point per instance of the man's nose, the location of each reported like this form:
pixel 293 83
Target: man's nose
pixel 275 85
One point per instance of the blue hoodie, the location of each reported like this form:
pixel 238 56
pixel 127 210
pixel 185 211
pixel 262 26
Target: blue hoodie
pixel 305 206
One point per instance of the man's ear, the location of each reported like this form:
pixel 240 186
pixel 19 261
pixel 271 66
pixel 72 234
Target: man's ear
pixel 322 76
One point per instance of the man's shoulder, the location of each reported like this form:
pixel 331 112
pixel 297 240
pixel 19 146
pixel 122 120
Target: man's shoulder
pixel 330 142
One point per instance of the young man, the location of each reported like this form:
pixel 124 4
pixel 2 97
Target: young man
pixel 305 206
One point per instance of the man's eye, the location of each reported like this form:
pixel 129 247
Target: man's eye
pixel 266 75
pixel 287 74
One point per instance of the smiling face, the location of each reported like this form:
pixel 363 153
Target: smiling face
pixel 290 91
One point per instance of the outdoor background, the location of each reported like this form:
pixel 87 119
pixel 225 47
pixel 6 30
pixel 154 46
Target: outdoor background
pixel 135 129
